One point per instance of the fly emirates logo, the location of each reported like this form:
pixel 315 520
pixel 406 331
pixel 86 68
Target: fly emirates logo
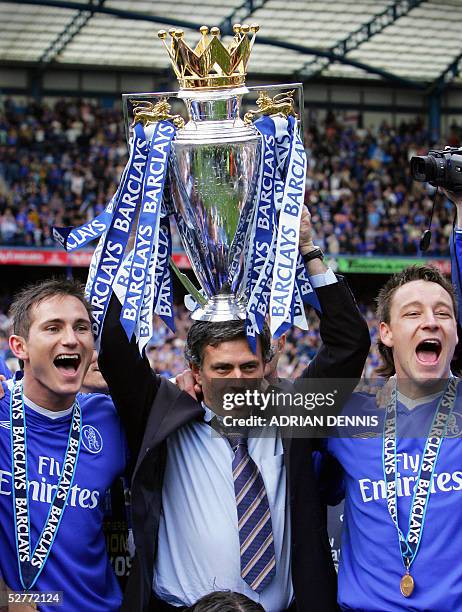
pixel 444 482
pixel 43 491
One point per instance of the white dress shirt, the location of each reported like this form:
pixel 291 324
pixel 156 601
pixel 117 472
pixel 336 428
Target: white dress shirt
pixel 199 549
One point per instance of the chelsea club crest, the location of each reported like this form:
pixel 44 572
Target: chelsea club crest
pixel 91 439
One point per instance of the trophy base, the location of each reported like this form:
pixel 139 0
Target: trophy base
pixel 221 308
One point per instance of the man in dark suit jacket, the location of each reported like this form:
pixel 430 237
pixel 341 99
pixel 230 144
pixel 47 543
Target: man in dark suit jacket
pixel 183 506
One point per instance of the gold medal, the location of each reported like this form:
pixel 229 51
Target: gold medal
pixel 406 584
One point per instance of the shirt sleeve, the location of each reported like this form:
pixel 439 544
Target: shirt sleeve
pixel 320 280
pixel 329 475
pixel 132 384
pixel 4 370
pixel 456 265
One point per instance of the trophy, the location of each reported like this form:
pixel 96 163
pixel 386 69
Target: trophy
pixel 213 169
pixel 234 187
pixel 215 162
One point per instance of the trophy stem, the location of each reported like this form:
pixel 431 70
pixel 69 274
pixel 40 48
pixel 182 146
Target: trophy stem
pixel 213 105
pixel 222 307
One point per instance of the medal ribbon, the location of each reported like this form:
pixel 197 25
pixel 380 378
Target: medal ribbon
pixel 30 567
pixel 410 544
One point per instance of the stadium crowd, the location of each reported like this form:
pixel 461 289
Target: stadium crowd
pixel 360 192
pixel 60 163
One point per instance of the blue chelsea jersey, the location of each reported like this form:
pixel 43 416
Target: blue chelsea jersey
pixel 4 370
pixel 78 564
pixel 371 565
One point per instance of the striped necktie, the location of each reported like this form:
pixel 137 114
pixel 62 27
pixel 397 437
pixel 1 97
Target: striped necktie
pixel 258 561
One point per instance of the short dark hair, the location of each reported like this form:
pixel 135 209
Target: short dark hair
pixel 385 296
pixel 205 333
pixel 226 601
pixel 34 294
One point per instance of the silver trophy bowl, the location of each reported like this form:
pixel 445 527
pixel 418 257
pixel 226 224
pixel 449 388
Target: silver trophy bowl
pixel 213 173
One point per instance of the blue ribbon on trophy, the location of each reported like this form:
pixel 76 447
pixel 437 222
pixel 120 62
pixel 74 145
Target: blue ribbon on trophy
pixel 240 246
pixel 147 233
pixel 158 293
pixel 141 188
pixel 279 282
pixel 283 144
pixel 121 280
pixel 265 218
pixel 235 188
pixel 118 233
pixel 285 265
pixel 163 279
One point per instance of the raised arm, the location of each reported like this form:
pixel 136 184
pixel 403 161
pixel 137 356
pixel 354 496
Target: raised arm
pixel 456 250
pixel 132 383
pixel 344 331
pixel 344 334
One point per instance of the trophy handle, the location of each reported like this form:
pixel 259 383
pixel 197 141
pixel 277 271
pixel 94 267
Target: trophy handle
pixel 275 90
pixel 132 100
pixel 148 113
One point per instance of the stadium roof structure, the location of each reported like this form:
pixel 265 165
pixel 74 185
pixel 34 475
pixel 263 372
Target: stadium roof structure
pixel 412 42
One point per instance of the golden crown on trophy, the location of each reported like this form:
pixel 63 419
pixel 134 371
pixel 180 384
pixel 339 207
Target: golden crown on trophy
pixel 211 65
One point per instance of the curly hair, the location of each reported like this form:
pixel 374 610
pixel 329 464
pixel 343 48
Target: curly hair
pixel 205 333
